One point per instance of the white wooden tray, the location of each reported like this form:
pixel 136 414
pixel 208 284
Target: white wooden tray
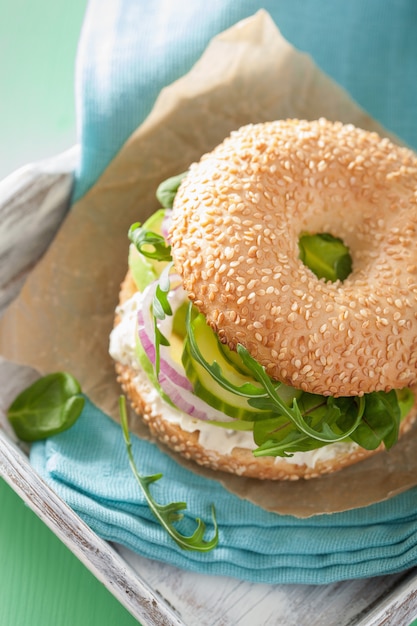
pixel 34 200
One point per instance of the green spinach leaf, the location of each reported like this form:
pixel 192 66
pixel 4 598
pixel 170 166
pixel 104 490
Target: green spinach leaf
pixel 380 421
pixel 167 190
pixel 49 406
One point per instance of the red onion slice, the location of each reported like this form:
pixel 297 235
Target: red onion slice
pixel 172 376
pixel 189 403
pixel 168 366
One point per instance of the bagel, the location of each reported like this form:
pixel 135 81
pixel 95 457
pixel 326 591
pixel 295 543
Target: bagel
pixel 234 231
pixel 236 223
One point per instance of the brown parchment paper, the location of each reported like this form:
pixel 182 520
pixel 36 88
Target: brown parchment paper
pixel 64 314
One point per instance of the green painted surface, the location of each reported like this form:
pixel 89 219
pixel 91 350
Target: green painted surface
pixel 38 43
pixel 41 581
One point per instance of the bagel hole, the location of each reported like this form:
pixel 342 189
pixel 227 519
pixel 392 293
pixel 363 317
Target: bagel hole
pixel 327 256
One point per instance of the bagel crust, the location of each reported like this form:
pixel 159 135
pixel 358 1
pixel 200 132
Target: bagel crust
pixel 236 223
pixel 239 460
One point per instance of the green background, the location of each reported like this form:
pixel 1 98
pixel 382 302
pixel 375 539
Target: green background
pixel 38 42
pixel 41 581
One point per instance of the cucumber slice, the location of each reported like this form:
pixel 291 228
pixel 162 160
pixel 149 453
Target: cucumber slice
pixel 142 271
pixel 209 390
pixel 145 270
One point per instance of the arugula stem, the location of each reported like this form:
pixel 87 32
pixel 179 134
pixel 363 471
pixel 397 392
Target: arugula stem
pixel 161 308
pixel 247 390
pixel 293 413
pixel 151 245
pixel 169 513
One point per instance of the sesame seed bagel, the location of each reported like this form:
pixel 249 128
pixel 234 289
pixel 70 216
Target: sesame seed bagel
pixel 239 460
pixel 236 223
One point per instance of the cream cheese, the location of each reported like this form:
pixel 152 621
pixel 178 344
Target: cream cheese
pixel 122 349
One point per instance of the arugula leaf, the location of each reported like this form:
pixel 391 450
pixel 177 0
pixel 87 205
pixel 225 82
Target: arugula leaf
pixel 247 390
pixel 149 244
pixel 293 441
pixel 49 406
pixel 280 437
pixel 279 433
pixel 167 190
pixel 324 433
pixel 161 308
pixel 167 514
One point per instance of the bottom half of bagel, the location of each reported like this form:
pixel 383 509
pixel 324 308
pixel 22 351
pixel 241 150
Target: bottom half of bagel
pixel 226 450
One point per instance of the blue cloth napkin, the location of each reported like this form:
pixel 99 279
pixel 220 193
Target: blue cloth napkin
pixel 129 50
pixel 89 468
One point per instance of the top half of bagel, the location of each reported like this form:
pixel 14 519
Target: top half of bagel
pixel 236 223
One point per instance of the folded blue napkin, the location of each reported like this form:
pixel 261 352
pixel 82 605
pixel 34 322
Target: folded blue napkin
pixel 132 49
pixel 88 467
pixel 127 53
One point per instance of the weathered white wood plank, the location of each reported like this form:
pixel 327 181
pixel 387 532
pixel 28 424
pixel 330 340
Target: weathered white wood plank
pixel 33 203
pixel 397 608
pixel 210 601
